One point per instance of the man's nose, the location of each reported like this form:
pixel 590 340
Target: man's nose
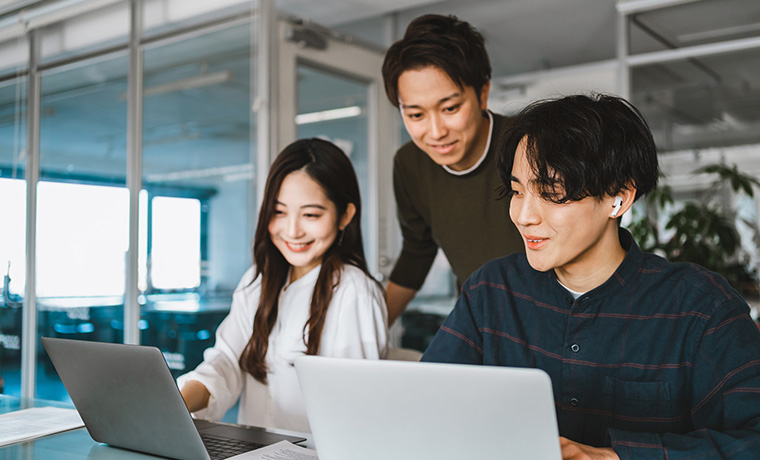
pixel 438 128
pixel 528 210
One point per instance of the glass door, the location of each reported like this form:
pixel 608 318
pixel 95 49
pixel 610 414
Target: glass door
pixel 333 89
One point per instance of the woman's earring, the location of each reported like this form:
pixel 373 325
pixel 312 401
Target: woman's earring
pixel 340 238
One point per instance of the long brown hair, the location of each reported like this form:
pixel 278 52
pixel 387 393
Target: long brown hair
pixel 327 165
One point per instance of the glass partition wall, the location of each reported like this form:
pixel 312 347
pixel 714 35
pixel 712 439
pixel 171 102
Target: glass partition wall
pixel 335 107
pixel 147 147
pixel 198 179
pixel 197 200
pixel 12 229
pixel 693 70
pixel 82 206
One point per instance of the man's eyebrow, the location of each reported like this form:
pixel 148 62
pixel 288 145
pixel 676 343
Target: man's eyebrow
pixel 531 183
pixel 440 101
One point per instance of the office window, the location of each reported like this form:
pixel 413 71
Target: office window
pixel 15 55
pixel 693 75
pixel 175 254
pixel 704 99
pixel 700 103
pixel 82 240
pixel 198 171
pixel 13 135
pixel 12 266
pixel 83 213
pixel 684 24
pixel 162 14
pixel 335 107
pixel 197 209
pixel 105 26
pixel 12 230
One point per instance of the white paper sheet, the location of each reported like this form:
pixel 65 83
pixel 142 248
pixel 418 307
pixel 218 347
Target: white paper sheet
pixel 27 424
pixel 283 450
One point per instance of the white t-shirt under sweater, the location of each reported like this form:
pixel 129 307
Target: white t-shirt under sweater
pixel 355 327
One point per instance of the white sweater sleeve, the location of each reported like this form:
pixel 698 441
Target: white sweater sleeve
pixel 220 372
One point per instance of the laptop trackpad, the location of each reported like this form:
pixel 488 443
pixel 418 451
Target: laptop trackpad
pixel 258 436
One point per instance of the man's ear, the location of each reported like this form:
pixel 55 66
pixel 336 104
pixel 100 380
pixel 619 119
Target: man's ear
pixel 483 96
pixel 620 206
pixel 347 217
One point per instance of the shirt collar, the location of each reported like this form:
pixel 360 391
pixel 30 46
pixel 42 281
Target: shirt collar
pixel 625 272
pixel 310 277
pixel 632 261
pixel 482 157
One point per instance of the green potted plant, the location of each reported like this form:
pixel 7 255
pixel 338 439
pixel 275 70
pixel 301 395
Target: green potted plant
pixel 703 231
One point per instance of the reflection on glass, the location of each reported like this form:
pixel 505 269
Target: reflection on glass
pixel 12 230
pixel 82 218
pixel 176 249
pixel 82 240
pixel 335 107
pixel 198 175
pixel 13 128
pixel 686 24
pixel 87 32
pixel 710 101
pixel 12 266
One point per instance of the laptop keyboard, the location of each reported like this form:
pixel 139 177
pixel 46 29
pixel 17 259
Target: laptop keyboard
pixel 221 448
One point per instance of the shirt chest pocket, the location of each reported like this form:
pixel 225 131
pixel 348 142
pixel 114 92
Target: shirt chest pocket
pixel 638 404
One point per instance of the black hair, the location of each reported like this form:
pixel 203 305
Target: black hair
pixel 581 146
pixel 327 165
pixel 444 42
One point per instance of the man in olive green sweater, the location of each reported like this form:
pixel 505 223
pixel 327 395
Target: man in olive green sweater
pixel 445 179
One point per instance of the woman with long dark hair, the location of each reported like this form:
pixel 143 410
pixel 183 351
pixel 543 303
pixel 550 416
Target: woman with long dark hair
pixel 309 292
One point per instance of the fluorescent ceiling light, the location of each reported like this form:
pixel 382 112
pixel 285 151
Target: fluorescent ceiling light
pixel 244 170
pixel 33 18
pixel 332 114
pixel 11 30
pixel 638 6
pixel 61 11
pixel 718 33
pixel 191 83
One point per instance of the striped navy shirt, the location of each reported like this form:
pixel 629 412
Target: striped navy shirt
pixel 661 361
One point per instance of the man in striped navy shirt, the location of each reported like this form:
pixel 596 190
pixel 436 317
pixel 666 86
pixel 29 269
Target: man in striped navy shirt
pixel 648 359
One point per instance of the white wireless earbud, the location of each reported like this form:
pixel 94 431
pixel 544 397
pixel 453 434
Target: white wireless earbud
pixel 616 206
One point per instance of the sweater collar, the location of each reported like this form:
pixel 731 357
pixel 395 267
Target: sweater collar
pixel 482 157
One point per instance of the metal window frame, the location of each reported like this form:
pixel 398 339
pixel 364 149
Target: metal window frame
pixel 135 48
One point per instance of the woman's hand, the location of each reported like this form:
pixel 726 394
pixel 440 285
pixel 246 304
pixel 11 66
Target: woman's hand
pixel 196 395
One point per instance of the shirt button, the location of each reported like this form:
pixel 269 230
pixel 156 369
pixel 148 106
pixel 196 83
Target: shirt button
pixel 575 348
pixel 574 402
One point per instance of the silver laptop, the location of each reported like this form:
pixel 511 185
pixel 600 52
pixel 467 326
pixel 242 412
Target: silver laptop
pixel 128 398
pixel 380 410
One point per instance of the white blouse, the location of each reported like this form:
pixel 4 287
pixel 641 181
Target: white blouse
pixel 356 326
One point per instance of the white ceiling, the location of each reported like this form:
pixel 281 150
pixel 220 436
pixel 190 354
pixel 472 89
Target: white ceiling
pixel 713 100
pixel 521 35
pixel 333 12
pixel 698 102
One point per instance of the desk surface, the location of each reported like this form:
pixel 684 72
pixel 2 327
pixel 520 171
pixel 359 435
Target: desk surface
pixel 70 445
